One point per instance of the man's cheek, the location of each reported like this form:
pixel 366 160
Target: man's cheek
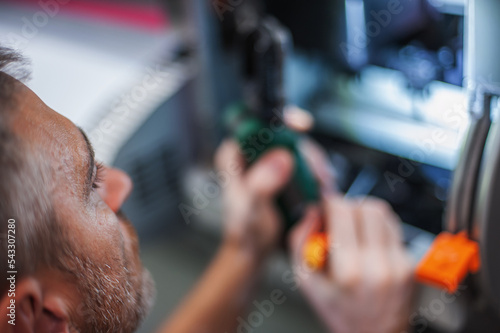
pixel 131 240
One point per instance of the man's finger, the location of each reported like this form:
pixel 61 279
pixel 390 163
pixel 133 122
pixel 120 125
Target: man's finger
pixel 320 165
pixel 310 223
pixel 298 119
pixel 373 231
pixel 344 248
pixel 229 159
pixel 402 266
pixel 379 224
pixel 270 173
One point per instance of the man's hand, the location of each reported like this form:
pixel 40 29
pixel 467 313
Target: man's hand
pixel 252 229
pixel 252 220
pixel 368 284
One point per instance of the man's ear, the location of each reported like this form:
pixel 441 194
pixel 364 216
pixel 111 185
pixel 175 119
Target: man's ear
pixel 22 304
pixel 28 311
pixel 54 317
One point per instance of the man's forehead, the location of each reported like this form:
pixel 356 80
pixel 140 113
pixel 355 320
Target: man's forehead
pixel 33 118
pixel 55 136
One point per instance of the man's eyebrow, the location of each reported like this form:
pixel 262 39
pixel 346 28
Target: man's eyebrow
pixel 91 163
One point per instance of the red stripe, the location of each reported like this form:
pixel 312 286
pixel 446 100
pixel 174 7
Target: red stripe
pixel 147 16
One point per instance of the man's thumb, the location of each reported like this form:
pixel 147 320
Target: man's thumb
pixel 270 173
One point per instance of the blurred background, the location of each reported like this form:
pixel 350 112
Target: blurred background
pixel 149 82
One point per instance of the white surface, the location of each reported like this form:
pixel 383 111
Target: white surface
pixel 79 66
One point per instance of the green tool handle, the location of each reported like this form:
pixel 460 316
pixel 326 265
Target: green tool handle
pixel 255 138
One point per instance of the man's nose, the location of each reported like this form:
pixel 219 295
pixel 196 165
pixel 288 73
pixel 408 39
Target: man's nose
pixel 115 188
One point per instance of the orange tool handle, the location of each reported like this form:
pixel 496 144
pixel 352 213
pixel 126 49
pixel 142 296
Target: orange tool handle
pixel 315 251
pixel 449 260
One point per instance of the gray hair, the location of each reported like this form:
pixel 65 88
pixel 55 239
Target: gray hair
pixel 23 197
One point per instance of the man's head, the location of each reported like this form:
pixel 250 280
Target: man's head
pixel 76 256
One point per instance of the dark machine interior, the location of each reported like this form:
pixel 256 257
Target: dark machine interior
pixel 422 43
